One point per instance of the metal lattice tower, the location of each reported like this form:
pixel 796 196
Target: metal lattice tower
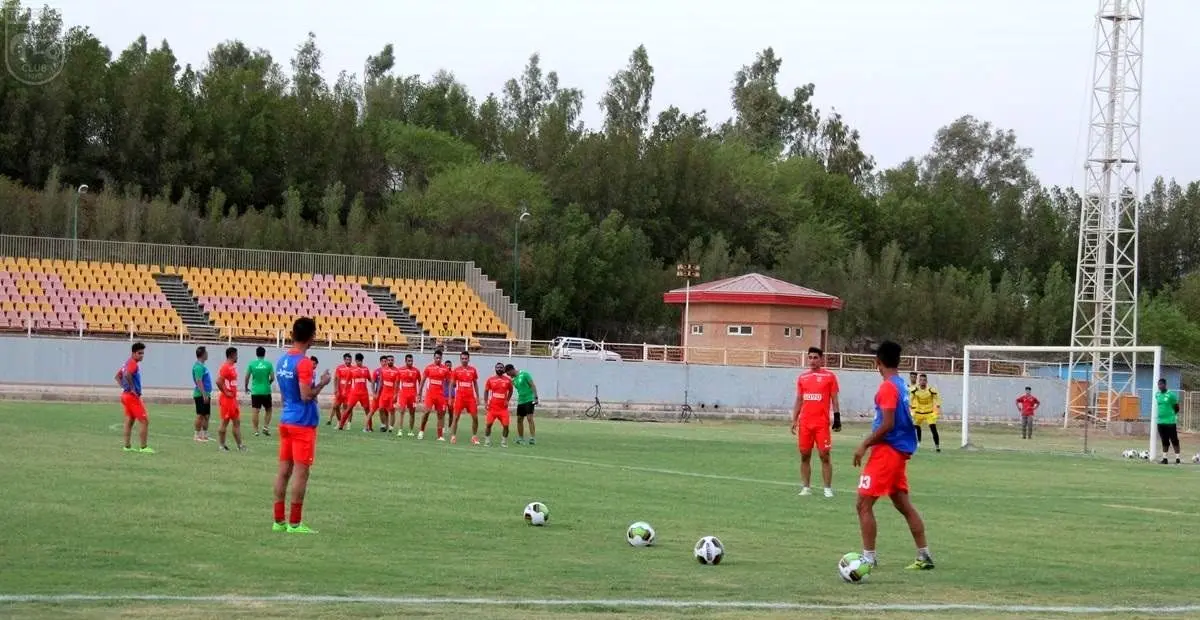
pixel 1106 279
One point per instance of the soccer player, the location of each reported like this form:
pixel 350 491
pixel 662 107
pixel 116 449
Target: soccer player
pixel 409 379
pixel 343 375
pixel 816 395
pixel 1027 405
pixel 360 392
pixel 260 374
pixel 450 390
pixel 389 381
pixel 376 381
pixel 926 407
pixel 892 442
pixel 129 377
pixel 527 400
pixel 201 394
pixel 497 391
pixel 433 384
pixel 1167 403
pixel 466 397
pixel 227 384
pixel 298 389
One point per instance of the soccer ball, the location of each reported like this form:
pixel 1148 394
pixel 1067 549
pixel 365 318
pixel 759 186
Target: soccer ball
pixel 1196 459
pixel 854 568
pixel 1130 454
pixel 709 550
pixel 640 534
pixel 537 513
pixel 1144 455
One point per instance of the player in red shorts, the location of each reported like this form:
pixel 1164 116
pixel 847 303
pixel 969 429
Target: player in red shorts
pixel 433 386
pixel 228 404
pixel 409 380
pixel 497 391
pixel 816 394
pixel 374 407
pixel 298 420
pixel 466 397
pixel 360 393
pixel 892 441
pixel 129 378
pixel 389 381
pixel 343 378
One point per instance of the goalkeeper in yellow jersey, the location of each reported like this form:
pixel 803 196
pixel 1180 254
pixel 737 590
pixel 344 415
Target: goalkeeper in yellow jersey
pixel 926 406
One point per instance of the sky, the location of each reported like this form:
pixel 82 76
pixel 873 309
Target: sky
pixel 897 70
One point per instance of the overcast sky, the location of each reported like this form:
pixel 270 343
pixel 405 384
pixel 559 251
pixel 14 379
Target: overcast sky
pixel 896 69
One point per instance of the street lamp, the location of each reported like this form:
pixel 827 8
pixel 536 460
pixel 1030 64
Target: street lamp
pixel 516 250
pixel 688 272
pixel 75 222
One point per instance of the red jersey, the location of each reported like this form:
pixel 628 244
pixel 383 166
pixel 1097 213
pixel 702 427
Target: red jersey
pixel 1027 403
pixel 436 376
pixel 816 389
pixel 408 378
pixel 361 378
pixel 464 381
pixel 227 375
pixel 389 379
pixel 344 378
pixel 499 389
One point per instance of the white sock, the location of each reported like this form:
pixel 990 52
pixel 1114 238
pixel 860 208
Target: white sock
pixel 923 553
pixel 869 556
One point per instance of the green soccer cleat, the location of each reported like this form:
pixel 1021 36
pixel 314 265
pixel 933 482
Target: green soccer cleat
pixel 278 526
pixel 128 449
pixel 300 528
pixel 146 450
pixel 920 564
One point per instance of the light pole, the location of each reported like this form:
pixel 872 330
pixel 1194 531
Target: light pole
pixel 75 222
pixel 516 250
pixel 688 272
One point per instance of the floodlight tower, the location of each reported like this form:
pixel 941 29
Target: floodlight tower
pixel 1106 278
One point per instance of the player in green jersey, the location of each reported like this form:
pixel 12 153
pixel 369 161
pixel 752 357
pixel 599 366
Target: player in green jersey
pixel 202 387
pixel 527 399
pixel 1167 404
pixel 260 374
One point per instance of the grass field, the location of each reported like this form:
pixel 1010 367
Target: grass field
pixel 401 518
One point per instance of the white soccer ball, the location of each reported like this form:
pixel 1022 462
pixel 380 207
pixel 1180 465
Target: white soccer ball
pixel 1129 454
pixel 709 550
pixel 1144 455
pixel 1196 459
pixel 537 513
pixel 854 568
pixel 640 534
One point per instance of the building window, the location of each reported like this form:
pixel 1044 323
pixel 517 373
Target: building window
pixel 797 332
pixel 787 332
pixel 740 330
pixel 697 329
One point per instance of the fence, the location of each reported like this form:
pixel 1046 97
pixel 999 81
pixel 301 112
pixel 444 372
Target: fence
pixel 272 260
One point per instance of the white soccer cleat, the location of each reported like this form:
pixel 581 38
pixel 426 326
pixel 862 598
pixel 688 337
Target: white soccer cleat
pixel 805 491
pixel 828 492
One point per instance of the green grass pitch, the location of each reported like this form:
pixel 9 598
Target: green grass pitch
pixel 401 518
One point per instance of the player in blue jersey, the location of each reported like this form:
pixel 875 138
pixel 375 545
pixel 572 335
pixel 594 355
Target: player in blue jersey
pixel 298 389
pixel 892 441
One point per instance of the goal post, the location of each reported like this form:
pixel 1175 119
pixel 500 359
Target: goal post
pixel 970 351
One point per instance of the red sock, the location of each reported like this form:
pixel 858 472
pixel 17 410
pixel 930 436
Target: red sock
pixel 297 509
pixel 439 430
pixel 279 512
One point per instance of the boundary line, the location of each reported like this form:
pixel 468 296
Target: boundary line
pixel 611 603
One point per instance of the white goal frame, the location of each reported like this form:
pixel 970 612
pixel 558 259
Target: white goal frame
pixel 1157 352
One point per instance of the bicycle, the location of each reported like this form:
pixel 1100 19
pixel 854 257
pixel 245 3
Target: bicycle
pixel 595 410
pixel 685 411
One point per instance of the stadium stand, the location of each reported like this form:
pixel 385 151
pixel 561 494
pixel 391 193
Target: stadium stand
pixel 438 302
pixel 93 297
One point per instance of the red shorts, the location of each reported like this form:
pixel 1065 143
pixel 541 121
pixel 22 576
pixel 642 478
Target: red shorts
pixel 135 409
pixel 338 398
pixel 229 409
pixel 297 444
pixel 357 399
pixel 498 413
pixel 386 401
pixel 435 401
pixel 814 433
pixel 885 473
pixel 466 403
pixel 408 400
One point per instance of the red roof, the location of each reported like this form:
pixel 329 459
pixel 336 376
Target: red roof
pixel 754 288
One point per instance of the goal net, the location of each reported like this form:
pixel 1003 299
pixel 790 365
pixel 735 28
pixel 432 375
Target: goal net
pixel 1076 414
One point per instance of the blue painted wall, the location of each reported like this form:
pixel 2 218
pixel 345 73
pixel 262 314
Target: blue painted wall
pixel 94 362
pixel 1144 380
